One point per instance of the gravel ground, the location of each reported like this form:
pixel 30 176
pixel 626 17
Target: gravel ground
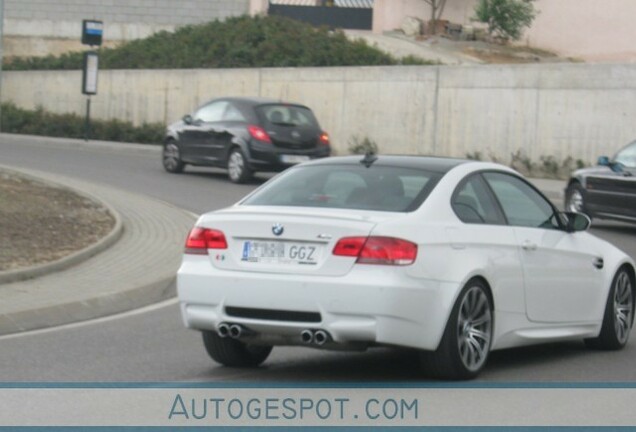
pixel 40 223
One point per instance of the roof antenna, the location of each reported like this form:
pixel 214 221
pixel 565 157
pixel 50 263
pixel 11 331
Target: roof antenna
pixel 368 159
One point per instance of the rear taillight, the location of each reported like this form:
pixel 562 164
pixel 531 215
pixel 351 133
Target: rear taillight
pixel 377 250
pixel 324 138
pixel 258 133
pixel 349 246
pixel 201 239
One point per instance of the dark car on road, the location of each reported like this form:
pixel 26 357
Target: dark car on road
pixel 607 191
pixel 245 135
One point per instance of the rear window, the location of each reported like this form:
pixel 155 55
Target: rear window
pixel 378 188
pixel 286 115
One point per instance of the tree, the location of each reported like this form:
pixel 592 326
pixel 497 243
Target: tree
pixel 437 8
pixel 506 18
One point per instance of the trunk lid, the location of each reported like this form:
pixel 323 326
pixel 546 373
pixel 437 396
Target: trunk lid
pixel 304 245
pixel 290 126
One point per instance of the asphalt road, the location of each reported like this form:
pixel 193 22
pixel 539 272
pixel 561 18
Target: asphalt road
pixel 153 345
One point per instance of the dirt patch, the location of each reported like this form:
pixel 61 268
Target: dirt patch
pixel 40 223
pixel 504 54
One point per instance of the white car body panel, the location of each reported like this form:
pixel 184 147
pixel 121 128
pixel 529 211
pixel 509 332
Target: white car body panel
pixel 407 306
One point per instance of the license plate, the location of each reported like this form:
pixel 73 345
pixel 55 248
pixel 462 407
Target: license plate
pixel 293 159
pixel 281 252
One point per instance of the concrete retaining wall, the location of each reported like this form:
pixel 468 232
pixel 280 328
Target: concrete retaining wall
pixel 37 27
pixel 557 110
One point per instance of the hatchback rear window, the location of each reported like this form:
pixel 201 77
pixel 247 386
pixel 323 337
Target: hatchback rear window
pixel 286 115
pixel 378 188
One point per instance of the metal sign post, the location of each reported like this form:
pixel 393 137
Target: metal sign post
pixel 91 35
pixel 89 85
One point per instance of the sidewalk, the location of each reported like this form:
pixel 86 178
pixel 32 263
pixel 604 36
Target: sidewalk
pixel 137 270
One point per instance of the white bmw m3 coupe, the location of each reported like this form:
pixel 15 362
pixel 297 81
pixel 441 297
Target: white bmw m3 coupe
pixel 453 258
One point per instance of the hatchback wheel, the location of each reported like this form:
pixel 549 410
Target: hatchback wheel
pixel 574 199
pixel 237 168
pixel 232 352
pixel 619 314
pixel 465 345
pixel 171 157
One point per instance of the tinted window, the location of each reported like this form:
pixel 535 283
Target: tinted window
pixel 286 115
pixel 348 186
pixel 212 112
pixel 473 203
pixel 627 156
pixel 522 205
pixel 233 114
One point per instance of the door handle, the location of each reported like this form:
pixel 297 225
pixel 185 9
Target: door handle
pixel 599 263
pixel 529 246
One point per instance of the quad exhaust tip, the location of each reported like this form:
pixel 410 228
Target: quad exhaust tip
pixel 307 336
pixel 321 337
pixel 236 331
pixel 223 330
pixel 317 337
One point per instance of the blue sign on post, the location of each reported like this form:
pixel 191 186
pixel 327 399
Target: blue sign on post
pixel 92 32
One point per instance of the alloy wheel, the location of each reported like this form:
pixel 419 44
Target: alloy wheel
pixel 474 328
pixel 623 307
pixel 575 203
pixel 171 158
pixel 236 166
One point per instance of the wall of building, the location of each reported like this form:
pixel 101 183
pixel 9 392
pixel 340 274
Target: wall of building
pixel 591 30
pixel 36 27
pixel 587 29
pixel 560 110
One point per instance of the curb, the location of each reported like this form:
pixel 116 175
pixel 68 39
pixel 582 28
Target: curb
pixel 118 279
pixel 90 309
pixel 79 144
pixel 75 257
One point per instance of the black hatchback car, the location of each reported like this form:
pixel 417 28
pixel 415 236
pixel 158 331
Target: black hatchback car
pixel 607 191
pixel 245 135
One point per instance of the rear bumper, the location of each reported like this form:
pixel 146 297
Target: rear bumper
pixel 267 157
pixel 368 306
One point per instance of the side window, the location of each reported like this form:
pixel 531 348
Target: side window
pixel 627 156
pixel 522 205
pixel 212 112
pixel 232 113
pixel 473 203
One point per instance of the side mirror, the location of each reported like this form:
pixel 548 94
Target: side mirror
pixel 603 161
pixel 576 222
pixel 187 119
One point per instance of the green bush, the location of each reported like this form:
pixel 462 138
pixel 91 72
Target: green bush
pixel 506 18
pixel 40 122
pixel 364 145
pixel 240 42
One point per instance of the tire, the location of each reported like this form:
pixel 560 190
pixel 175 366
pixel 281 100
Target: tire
pixel 171 157
pixel 466 342
pixel 619 314
pixel 234 353
pixel 575 199
pixel 237 169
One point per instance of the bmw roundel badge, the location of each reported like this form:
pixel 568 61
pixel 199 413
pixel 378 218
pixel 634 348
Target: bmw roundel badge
pixel 278 229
